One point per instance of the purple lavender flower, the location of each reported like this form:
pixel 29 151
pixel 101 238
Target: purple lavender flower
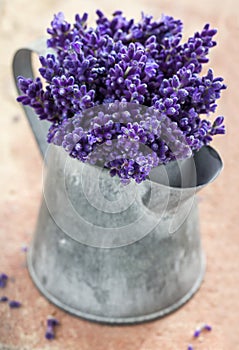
pixel 49 333
pixel 121 61
pixel 51 323
pixel 200 329
pixel 207 327
pixel 3 280
pixel 197 332
pixel 13 304
pixel 3 299
pixel 217 126
pixel 24 249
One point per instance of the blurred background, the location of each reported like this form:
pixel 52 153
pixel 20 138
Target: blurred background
pixel 21 23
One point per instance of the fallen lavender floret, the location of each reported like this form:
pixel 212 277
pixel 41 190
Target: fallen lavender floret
pixel 51 323
pixel 197 332
pixel 200 329
pixel 49 333
pixel 207 327
pixel 3 299
pixel 13 304
pixel 3 280
pixel 190 347
pixel 24 249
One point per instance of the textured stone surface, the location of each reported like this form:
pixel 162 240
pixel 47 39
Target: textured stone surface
pixel 217 302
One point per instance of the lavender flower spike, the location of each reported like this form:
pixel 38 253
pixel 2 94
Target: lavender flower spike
pixel 121 60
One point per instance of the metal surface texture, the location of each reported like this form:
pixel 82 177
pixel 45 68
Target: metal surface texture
pixel 78 263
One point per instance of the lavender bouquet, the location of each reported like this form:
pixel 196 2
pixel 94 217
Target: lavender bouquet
pixel 122 65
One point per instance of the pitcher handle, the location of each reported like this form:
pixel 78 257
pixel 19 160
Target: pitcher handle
pixel 22 66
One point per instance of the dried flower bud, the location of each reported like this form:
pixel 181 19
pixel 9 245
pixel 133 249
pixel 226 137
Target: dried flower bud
pixel 13 304
pixel 3 280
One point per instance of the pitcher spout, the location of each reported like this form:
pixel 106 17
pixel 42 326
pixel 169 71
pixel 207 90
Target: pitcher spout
pixel 208 165
pixel 173 187
pixel 194 172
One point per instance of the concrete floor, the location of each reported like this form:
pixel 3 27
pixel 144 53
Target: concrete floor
pixel 217 302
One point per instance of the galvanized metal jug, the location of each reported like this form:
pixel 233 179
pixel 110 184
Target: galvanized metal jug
pixel 113 253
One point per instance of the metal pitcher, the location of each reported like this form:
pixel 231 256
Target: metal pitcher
pixel 112 253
